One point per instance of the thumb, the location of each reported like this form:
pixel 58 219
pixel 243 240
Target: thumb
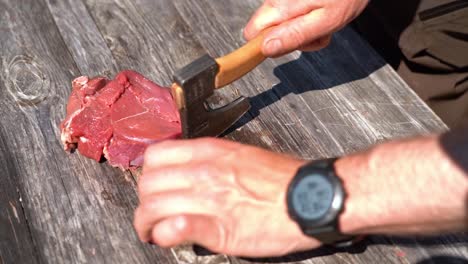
pixel 298 33
pixel 197 229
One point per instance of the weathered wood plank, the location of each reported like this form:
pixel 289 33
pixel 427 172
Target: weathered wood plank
pixel 82 38
pixel 78 210
pixel 16 244
pixel 150 43
pixel 416 250
pixel 71 18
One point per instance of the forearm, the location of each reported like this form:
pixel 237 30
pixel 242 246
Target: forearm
pixel 414 186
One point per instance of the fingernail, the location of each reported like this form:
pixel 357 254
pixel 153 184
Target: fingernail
pixel 273 46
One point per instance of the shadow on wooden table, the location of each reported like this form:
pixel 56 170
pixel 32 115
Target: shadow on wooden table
pixel 310 72
pixel 322 251
pixel 455 145
pixel 360 247
pixel 443 260
pixel 379 240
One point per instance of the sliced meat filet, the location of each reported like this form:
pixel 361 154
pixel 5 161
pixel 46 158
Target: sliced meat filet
pixel 118 118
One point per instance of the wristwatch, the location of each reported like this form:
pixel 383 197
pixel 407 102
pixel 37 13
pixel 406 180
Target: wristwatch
pixel 315 200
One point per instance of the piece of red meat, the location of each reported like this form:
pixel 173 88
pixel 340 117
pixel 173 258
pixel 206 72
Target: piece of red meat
pixel 118 118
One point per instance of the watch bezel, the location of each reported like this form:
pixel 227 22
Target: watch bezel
pixel 312 170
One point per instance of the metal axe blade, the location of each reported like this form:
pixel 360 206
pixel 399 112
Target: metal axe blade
pixel 196 82
pixel 193 85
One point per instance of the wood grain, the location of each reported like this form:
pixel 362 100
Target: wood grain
pixel 59 208
pixel 16 243
pixel 82 38
pixel 77 210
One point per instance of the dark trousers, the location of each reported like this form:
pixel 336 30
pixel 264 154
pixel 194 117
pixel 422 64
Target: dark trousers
pixel 426 41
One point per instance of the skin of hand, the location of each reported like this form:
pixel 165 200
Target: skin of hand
pixel 231 198
pixel 222 195
pixel 305 25
pixel 416 186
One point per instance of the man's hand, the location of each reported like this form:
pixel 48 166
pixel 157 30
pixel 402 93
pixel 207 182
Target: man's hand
pixel 230 198
pixel 306 25
pixel 222 195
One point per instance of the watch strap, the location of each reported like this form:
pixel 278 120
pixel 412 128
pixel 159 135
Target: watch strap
pixel 328 235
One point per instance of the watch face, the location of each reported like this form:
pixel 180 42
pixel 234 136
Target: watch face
pixel 312 197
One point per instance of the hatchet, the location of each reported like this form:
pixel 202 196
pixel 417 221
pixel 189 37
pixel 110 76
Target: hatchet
pixel 196 82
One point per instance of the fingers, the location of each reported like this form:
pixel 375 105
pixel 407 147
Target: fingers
pixel 192 176
pixel 275 12
pixel 167 178
pixel 198 229
pixel 265 17
pixel 317 44
pixel 166 188
pixel 157 207
pixel 173 152
pixel 296 33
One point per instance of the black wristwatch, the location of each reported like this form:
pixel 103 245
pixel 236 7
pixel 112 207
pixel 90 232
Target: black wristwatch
pixel 315 199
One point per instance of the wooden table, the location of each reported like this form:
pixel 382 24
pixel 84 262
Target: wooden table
pixel 59 208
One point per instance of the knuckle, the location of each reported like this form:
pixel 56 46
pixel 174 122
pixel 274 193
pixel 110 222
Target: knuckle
pixel 337 20
pixel 273 3
pixel 183 226
pixel 215 170
pixel 207 141
pixel 150 152
pixel 207 172
pixel 278 4
pixel 148 204
pixel 160 240
pixel 282 7
pixel 296 36
pixel 180 228
pixel 207 144
pixel 145 181
pixel 157 147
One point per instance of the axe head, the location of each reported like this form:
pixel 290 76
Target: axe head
pixel 193 85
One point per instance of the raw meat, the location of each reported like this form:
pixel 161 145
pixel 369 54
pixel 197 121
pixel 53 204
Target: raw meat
pixel 118 118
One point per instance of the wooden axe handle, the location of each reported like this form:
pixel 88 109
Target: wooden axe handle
pixel 241 61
